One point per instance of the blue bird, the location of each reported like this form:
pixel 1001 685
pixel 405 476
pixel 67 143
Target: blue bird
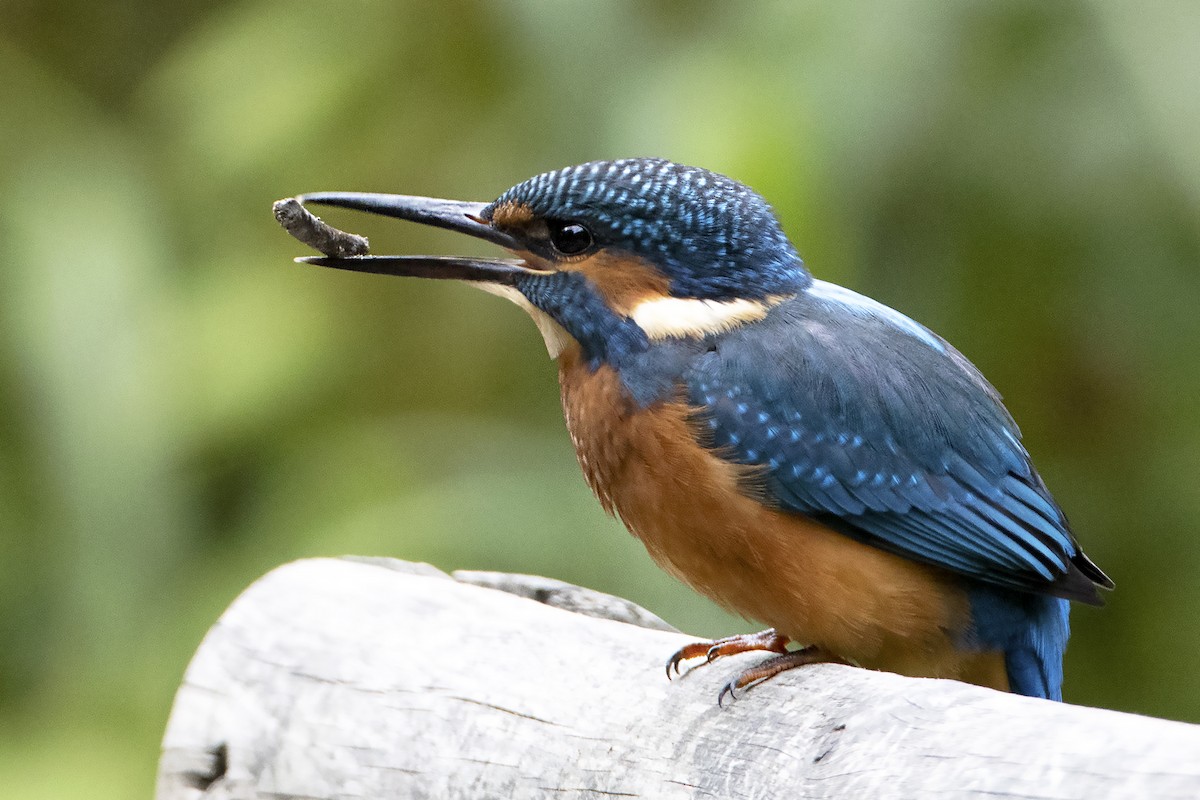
pixel 803 455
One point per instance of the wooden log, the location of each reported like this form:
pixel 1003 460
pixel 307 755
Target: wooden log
pixel 353 678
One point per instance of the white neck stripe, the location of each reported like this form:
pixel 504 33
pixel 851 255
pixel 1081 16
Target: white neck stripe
pixel 681 317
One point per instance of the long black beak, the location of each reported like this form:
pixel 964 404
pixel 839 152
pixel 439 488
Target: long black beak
pixel 454 215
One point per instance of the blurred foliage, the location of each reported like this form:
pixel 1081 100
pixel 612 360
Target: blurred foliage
pixel 181 408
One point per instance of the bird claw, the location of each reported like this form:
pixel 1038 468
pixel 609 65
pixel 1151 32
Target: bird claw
pixel 782 662
pixel 728 689
pixel 731 645
pixel 673 663
pixel 693 650
pixel 773 666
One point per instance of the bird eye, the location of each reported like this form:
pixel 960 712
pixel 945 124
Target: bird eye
pixel 569 238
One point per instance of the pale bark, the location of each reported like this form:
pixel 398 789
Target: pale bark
pixel 356 678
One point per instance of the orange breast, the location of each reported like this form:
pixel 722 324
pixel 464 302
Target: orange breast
pixel 817 586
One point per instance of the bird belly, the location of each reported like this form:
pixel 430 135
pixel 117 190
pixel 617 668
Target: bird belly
pixel 699 520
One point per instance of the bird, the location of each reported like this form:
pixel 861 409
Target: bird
pixel 803 455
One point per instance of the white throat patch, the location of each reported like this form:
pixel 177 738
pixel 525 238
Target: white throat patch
pixel 679 317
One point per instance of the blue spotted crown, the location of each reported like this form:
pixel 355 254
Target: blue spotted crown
pixel 713 237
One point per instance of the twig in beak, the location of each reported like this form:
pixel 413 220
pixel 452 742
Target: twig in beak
pixel 317 234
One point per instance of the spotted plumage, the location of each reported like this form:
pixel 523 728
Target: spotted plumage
pixel 800 453
pixel 711 236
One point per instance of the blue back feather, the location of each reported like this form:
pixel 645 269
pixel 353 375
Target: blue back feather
pixel 889 435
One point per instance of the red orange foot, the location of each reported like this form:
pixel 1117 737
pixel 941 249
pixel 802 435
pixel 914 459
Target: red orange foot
pixel 775 665
pixel 769 640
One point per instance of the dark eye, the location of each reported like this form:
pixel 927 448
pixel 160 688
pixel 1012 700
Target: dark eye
pixel 569 238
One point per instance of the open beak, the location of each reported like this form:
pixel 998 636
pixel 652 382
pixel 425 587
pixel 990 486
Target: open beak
pixel 454 215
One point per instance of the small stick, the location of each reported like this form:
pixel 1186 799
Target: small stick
pixel 317 234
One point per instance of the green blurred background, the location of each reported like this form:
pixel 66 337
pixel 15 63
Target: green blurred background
pixel 182 408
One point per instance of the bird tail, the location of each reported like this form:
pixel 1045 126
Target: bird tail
pixel 1034 661
pixel 1030 629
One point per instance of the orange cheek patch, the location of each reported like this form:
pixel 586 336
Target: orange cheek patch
pixel 622 280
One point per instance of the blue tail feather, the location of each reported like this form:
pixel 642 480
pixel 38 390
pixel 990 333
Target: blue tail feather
pixel 1031 630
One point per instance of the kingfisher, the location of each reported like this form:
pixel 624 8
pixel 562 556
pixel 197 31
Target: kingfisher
pixel 805 456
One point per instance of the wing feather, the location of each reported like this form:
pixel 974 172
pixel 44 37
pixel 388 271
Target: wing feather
pixel 890 436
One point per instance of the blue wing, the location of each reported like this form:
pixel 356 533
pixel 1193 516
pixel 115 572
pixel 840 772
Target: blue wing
pixel 865 420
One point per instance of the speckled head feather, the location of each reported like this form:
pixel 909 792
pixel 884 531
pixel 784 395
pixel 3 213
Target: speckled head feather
pixel 713 238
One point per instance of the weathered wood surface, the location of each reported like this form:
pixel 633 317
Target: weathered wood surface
pixel 348 679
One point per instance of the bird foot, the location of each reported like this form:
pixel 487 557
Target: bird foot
pixel 775 665
pixel 769 639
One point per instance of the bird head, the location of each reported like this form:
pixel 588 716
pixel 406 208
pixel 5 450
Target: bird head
pixel 609 248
